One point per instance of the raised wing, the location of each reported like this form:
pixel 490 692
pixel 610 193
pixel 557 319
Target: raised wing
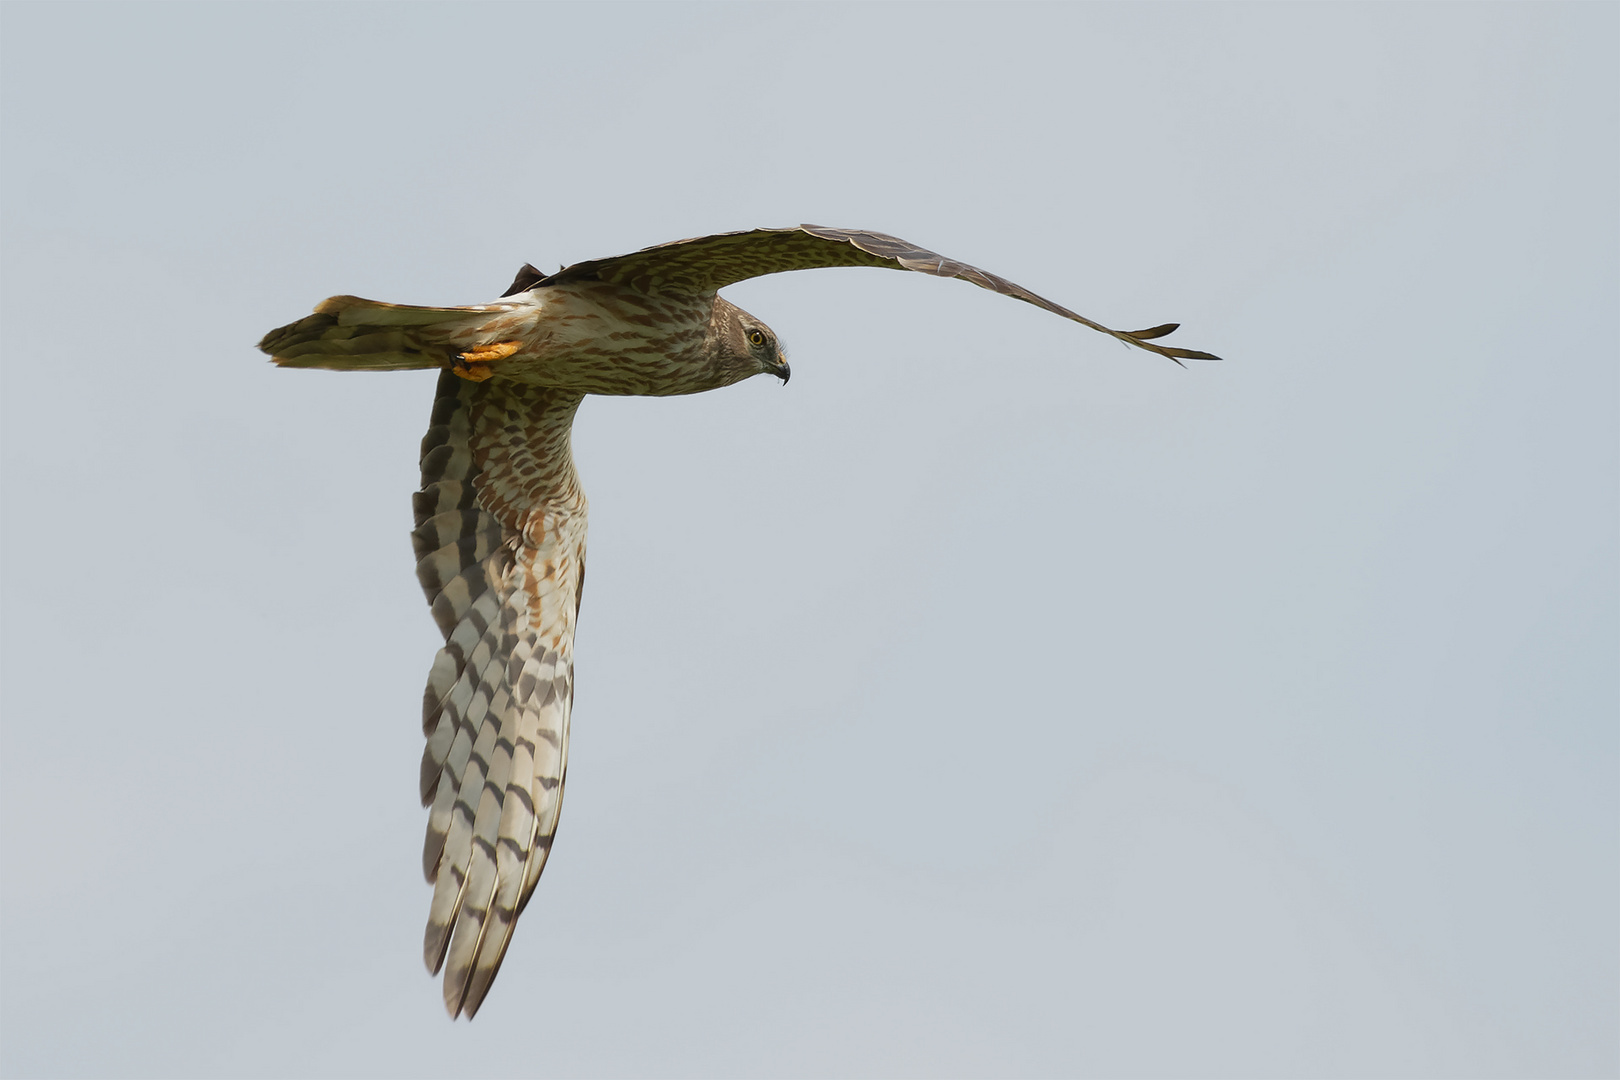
pixel 500 545
pixel 707 263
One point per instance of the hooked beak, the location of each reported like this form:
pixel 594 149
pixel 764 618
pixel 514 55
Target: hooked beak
pixel 782 371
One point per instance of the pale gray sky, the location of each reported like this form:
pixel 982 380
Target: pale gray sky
pixel 991 700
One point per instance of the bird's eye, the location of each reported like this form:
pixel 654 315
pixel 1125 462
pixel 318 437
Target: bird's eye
pixel 756 338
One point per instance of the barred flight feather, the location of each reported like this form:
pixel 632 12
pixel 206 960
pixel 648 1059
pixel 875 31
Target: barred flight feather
pixel 499 539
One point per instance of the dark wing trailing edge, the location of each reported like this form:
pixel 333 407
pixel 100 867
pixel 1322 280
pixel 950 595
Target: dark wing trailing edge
pixel 708 263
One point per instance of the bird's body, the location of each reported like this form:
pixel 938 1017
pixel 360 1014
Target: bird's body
pixel 591 337
pixel 501 517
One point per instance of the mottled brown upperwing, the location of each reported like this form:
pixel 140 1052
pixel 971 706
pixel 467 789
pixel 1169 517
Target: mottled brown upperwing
pixel 704 264
pixel 707 263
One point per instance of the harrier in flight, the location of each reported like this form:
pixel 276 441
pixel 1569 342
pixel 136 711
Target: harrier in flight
pixel 500 518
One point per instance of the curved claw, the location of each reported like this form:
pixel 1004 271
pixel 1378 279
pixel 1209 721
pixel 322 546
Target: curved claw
pixel 473 365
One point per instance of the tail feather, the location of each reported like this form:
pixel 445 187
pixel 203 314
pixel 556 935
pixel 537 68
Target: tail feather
pixel 348 333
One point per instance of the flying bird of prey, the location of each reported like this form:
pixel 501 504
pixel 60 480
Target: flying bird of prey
pixel 500 517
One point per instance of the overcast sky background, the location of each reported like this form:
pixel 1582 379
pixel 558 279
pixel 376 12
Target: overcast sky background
pixel 992 700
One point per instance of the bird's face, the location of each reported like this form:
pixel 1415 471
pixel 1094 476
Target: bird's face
pixel 740 346
pixel 763 348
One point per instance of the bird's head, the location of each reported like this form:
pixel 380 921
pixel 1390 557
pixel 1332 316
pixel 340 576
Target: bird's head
pixel 744 346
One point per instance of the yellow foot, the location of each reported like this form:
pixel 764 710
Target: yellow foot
pixel 498 351
pixel 473 365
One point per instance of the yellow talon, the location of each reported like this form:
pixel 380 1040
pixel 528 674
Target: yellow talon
pixel 498 351
pixel 473 365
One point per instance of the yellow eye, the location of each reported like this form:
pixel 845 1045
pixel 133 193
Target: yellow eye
pixel 756 338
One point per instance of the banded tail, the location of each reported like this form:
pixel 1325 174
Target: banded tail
pixel 348 333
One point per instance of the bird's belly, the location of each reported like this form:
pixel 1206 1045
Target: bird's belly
pixel 597 338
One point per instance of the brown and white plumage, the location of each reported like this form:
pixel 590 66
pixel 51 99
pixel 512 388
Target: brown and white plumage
pixel 500 517
pixel 500 544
